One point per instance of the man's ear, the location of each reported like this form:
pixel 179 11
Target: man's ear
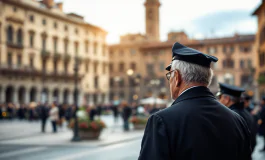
pixel 178 78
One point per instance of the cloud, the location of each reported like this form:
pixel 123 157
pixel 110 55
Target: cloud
pixel 223 23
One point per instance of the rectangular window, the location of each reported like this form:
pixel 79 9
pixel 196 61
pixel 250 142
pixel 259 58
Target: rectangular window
pixel 110 67
pixel 55 45
pixel 96 81
pixel 249 63
pixel 76 48
pixel 44 22
pixel 232 49
pixel 121 67
pixel 242 64
pixel 133 66
pixel 224 49
pixel 44 65
pixel 65 67
pixel 31 40
pixel 95 48
pixel 95 68
pixel 150 68
pixel 65 46
pixel 104 68
pixel 19 60
pixel 31 18
pixel 162 66
pixel 9 59
pixel 31 62
pixel 55 66
pixel 121 83
pixel 111 82
pixel 65 28
pixel 55 25
pixel 87 66
pixel 44 44
pixel 86 46
pixel 133 52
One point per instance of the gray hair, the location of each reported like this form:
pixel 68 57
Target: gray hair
pixel 191 72
pixel 232 98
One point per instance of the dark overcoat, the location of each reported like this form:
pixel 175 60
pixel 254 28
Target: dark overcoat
pixel 196 127
pixel 252 125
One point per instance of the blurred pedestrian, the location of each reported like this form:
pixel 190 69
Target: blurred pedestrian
pixel 54 116
pixel 61 115
pixel 43 114
pixel 92 113
pixel 126 113
pixel 196 126
pixel 115 112
pixel 68 113
pixel 99 110
pixel 262 121
pixel 21 112
pixel 10 111
pixel 230 96
pixel 154 109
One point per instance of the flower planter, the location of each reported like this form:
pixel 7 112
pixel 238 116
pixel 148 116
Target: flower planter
pixel 89 134
pixel 139 126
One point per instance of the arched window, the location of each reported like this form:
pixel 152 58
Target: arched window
pixel 9 34
pixel 19 36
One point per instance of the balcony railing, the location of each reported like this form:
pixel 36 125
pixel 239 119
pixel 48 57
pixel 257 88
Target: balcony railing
pixel 67 57
pixel 25 71
pixel 45 53
pixel 14 45
pixel 57 56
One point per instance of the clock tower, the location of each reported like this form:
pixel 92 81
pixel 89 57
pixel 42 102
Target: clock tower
pixel 152 20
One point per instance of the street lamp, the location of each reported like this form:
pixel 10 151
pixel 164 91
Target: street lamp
pixel 76 135
pixel 129 73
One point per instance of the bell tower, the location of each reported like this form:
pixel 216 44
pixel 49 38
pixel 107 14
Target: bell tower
pixel 152 20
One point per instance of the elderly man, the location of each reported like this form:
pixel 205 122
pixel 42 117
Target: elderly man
pixel 230 96
pixel 196 126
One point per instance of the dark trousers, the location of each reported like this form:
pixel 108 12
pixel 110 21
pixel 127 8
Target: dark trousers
pixel 126 124
pixel 43 124
pixel 54 126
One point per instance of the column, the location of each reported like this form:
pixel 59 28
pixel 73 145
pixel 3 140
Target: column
pixel 106 100
pixel 70 98
pixel 38 95
pixel 99 99
pixel 91 102
pixel 3 95
pixel 80 98
pixel 50 97
pixel 27 95
pixel 60 97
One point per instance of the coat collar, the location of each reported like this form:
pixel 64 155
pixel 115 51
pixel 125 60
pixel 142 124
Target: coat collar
pixel 195 92
pixel 239 105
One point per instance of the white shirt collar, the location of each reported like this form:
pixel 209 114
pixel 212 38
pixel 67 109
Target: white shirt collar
pixel 188 89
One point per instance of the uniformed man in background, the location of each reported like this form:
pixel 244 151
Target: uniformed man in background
pixel 196 126
pixel 230 96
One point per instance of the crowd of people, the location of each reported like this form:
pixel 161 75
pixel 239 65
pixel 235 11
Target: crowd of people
pixel 60 113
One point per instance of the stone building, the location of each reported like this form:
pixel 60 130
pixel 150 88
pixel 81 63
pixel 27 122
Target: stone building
pixel 137 69
pixel 260 48
pixel 39 45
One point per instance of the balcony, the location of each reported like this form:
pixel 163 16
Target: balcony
pixel 14 45
pixel 45 53
pixel 67 57
pixel 26 71
pixel 57 56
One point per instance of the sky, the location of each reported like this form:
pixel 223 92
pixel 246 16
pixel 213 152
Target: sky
pixel 198 18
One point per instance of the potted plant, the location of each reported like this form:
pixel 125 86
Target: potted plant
pixel 88 129
pixel 139 122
